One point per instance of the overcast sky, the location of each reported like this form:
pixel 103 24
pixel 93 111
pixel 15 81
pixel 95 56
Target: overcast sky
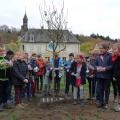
pixel 84 16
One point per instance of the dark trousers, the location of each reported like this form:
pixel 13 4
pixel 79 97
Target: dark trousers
pixel 10 89
pixel 116 88
pixel 3 91
pixel 18 94
pixel 57 84
pixel 92 86
pixel 33 87
pixel 68 83
pixel 103 90
pixel 38 81
pixel 27 89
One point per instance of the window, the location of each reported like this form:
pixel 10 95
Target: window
pixel 23 47
pixel 31 38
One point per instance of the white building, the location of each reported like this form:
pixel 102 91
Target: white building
pixel 37 40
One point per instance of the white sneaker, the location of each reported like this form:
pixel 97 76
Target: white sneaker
pixel 117 108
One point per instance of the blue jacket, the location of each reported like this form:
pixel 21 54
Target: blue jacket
pixel 33 64
pixel 107 63
pixel 67 65
pixel 59 61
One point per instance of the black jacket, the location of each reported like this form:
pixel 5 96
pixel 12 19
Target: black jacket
pixel 73 69
pixel 116 69
pixel 19 72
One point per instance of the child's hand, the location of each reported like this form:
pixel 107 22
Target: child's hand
pixel 114 79
pixel 25 80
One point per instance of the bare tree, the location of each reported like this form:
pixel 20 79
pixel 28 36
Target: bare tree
pixel 55 21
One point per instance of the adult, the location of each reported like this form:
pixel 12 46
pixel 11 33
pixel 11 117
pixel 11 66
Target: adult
pixel 103 75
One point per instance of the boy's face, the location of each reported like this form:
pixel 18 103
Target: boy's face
pixel 56 57
pixel 71 57
pixel 11 56
pixel 34 57
pixel 102 50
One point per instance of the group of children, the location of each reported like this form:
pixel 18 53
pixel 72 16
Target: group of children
pixel 30 75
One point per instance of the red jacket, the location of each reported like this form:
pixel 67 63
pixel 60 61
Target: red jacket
pixel 114 58
pixel 41 67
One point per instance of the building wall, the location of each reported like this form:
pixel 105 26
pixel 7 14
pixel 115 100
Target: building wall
pixel 41 48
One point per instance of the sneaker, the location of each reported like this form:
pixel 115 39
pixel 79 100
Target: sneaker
pixel 75 102
pixel 115 100
pixel 89 98
pixel 24 104
pixel 6 106
pixel 117 108
pixel 19 106
pixel 105 106
pixel 99 105
pixel 82 102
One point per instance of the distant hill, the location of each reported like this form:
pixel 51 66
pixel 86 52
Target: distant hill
pixel 88 43
pixel 7 37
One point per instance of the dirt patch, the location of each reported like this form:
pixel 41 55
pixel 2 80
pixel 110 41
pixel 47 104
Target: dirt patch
pixel 64 110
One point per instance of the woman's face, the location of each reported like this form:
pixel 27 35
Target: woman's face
pixel 115 50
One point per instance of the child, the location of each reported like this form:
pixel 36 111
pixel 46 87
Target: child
pixel 20 77
pixel 27 88
pixel 9 56
pixel 4 77
pixel 116 73
pixel 41 67
pixel 78 76
pixel 103 66
pixel 91 76
pixel 47 81
pixel 34 71
pixel 67 66
pixel 57 63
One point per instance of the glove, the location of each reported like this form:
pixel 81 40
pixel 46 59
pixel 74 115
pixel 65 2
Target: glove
pixel 114 79
pixel 36 69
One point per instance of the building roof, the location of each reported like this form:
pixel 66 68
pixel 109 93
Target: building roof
pixel 42 36
pixel 25 17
